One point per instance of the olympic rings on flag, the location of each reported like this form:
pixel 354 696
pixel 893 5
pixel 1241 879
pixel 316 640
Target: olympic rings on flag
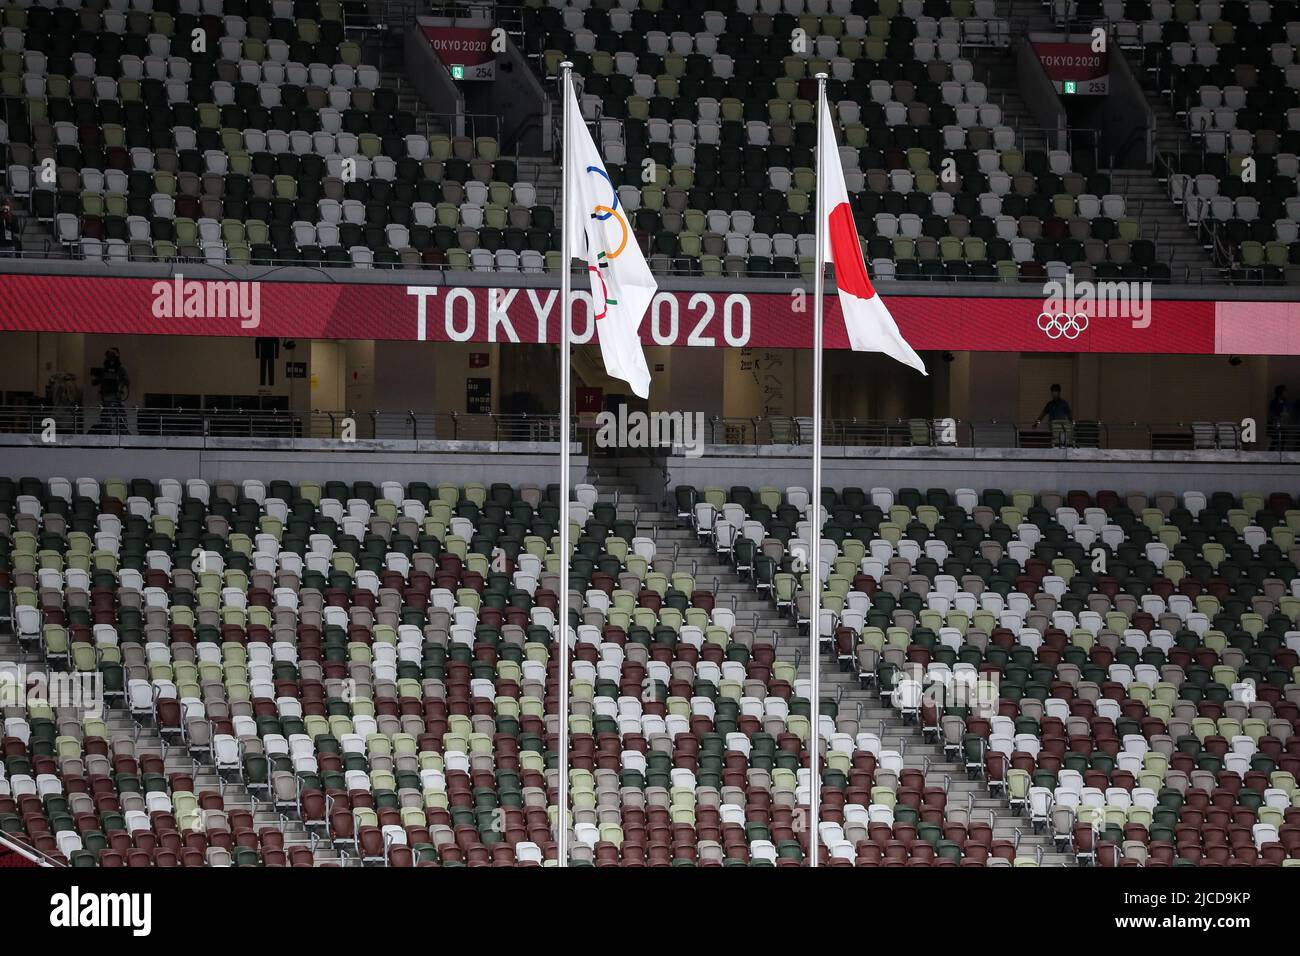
pixel 603 212
pixel 622 223
pixel 601 308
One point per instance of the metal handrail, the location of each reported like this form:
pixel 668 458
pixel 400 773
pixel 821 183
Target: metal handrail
pixel 463 9
pixel 1221 251
pixel 343 425
pixel 456 124
pixel 32 853
pixel 679 267
pixel 347 425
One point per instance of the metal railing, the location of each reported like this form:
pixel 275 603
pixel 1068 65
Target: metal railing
pixel 38 857
pixel 426 426
pixel 1210 231
pixel 396 14
pixel 957 433
pixel 346 425
pixel 473 125
pixel 659 264
pixel 342 425
pixel 489 10
pixel 1202 228
pixel 118 420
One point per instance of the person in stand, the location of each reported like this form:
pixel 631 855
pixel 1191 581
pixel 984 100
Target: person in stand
pixel 1291 438
pixel 8 227
pixel 1279 418
pixel 1058 416
pixel 114 385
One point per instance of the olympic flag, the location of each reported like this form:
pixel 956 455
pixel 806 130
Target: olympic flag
pixel 621 283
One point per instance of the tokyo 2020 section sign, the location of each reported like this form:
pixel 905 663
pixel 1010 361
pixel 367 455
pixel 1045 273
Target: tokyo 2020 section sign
pixel 466 48
pixel 1074 66
pixel 438 313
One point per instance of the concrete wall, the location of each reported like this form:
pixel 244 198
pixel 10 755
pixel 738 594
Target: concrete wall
pixel 328 372
pixel 516 98
pixel 538 463
pixel 984 386
pixel 403 277
pixel 429 77
pixel 520 101
pixel 25 368
pixel 1038 92
pixel 1067 469
pixel 319 460
pixel 1128 123
pixel 523 104
pixel 695 384
pixel 359 380
pixel 757 382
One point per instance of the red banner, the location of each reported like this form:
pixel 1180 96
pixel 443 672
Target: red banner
pixel 1075 63
pixel 467 47
pixel 693 319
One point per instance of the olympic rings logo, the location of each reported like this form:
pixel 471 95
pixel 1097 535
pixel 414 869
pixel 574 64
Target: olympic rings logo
pixel 605 300
pixel 1063 325
pixel 603 213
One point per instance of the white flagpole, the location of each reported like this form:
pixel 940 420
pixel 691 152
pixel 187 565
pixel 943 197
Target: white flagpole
pixel 814 558
pixel 562 628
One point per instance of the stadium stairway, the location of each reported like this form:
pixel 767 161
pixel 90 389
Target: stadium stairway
pixel 996 68
pixel 1189 258
pixel 1162 220
pixel 545 171
pixel 409 100
pixel 660 521
pixel 121 724
pixel 1164 223
pixel 546 176
pixel 36 238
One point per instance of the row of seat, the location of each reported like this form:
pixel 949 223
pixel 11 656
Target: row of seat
pixel 1126 712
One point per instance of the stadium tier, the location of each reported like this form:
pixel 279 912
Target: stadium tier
pixel 651 434
pixel 1122 724
pixel 306 674
pixel 277 139
pixel 274 143
pixel 1229 71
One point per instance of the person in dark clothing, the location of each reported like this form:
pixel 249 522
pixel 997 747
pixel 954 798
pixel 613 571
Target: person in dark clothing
pixel 268 350
pixel 1058 417
pixel 8 227
pixel 114 385
pixel 1279 417
pixel 1057 409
